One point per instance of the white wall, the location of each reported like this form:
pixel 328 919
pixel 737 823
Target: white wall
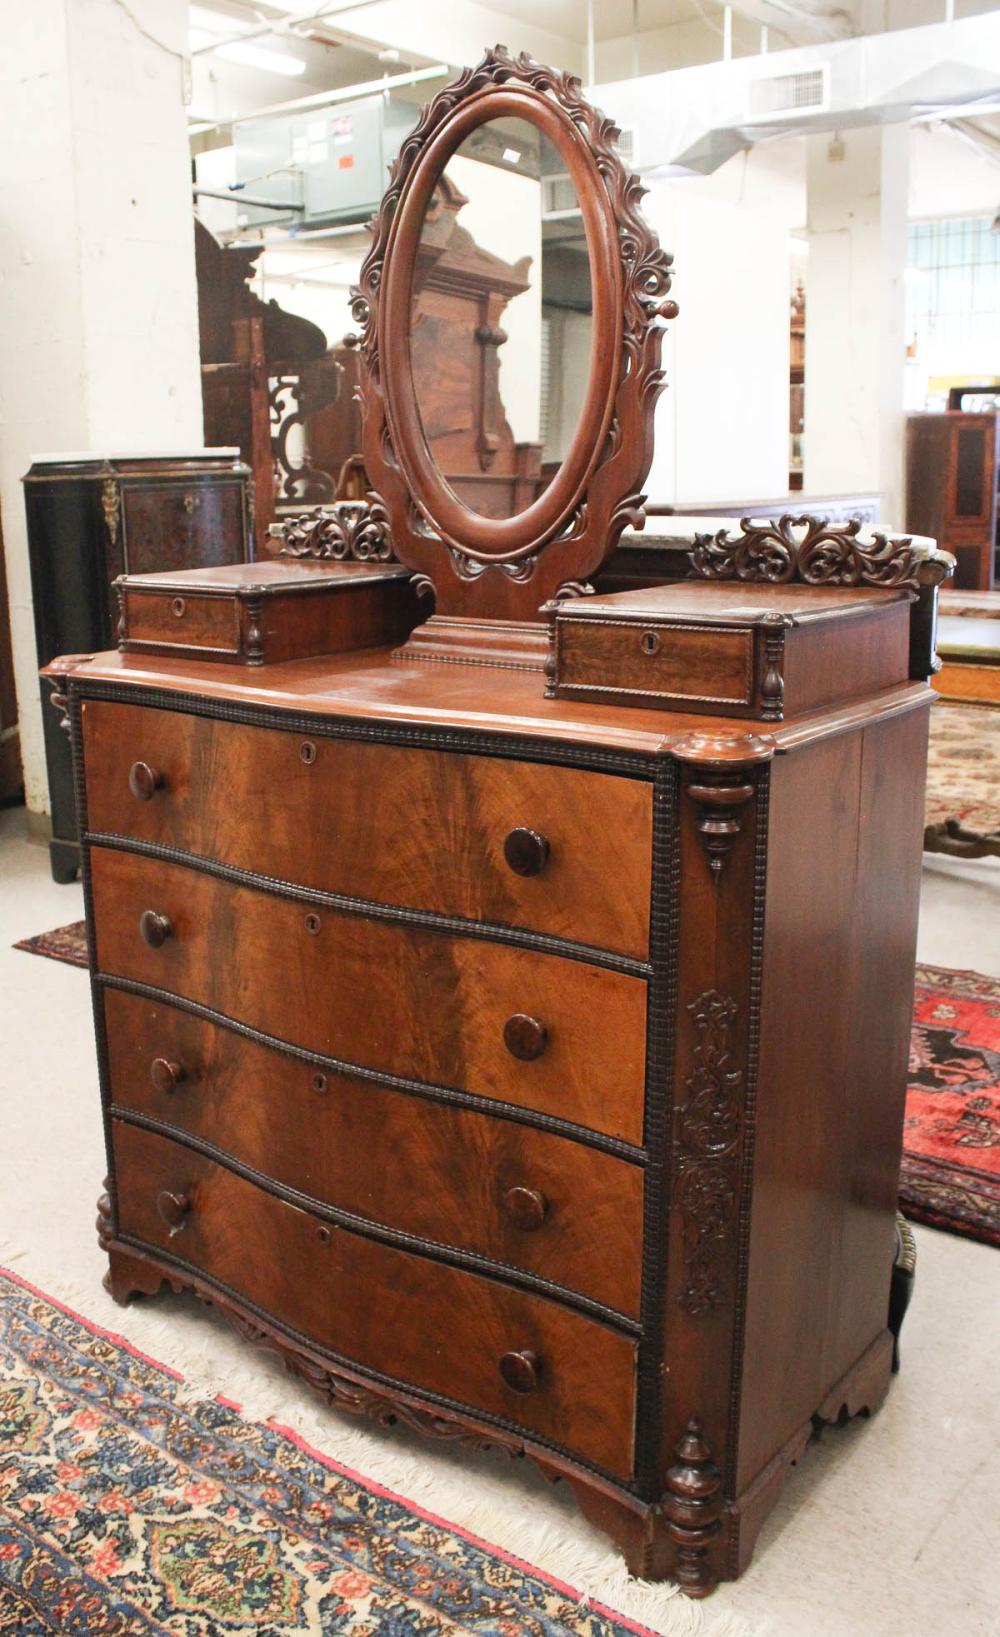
pixel 855 311
pixel 99 328
pixel 504 217
pixel 722 424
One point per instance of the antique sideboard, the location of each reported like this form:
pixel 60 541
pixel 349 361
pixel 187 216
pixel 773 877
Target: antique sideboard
pixel 92 517
pixel 507 1020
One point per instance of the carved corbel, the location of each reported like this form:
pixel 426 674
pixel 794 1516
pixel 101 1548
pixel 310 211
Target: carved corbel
pixel 720 785
pixel 693 1506
pixel 719 798
pixel 57 674
pixel 254 627
pixel 772 688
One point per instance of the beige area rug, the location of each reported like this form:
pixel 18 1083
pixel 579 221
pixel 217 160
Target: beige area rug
pixel 963 766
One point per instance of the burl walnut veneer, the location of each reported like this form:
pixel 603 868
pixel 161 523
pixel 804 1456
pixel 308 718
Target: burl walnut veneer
pixel 527 1069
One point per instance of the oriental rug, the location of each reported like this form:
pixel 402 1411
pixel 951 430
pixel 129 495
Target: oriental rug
pixel 63 943
pixel 963 767
pixel 950 1176
pixel 129 1510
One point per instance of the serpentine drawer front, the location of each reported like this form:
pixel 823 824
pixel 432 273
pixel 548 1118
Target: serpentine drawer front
pixel 525 1198
pixel 196 622
pixel 518 1357
pixel 540 1031
pixel 555 849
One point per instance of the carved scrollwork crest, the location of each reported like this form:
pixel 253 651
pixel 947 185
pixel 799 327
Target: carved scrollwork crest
pixel 348 530
pixel 809 549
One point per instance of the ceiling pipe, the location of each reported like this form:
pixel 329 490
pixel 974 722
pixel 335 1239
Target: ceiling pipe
pixel 282 25
pixel 343 93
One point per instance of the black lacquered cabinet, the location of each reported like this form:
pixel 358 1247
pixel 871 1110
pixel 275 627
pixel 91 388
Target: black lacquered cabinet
pixel 93 517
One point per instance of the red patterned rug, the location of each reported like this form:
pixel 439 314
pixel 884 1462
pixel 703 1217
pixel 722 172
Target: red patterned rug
pixel 951 1159
pixel 64 943
pixel 951 1156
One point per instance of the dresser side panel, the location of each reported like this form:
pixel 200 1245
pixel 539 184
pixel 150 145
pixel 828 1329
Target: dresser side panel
pixel 840 937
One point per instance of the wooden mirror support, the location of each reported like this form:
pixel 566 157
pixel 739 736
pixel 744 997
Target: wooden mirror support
pixel 490 576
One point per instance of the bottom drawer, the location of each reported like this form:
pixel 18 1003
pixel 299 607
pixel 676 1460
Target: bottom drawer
pixel 437 1328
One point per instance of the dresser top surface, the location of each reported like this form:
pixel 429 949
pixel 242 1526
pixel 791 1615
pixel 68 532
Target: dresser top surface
pixel 726 601
pixel 269 576
pixel 468 698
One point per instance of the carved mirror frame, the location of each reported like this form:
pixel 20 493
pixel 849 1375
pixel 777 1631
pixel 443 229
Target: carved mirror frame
pixel 503 569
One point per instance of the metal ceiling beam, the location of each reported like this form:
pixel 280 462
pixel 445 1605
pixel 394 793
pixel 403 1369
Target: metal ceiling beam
pixel 453 31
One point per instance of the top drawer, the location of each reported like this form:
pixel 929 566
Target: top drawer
pixel 460 830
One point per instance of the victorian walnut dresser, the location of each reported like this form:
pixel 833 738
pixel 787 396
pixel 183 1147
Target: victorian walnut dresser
pixel 507 1020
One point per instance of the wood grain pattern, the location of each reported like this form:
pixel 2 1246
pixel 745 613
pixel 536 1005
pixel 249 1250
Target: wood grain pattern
pixel 450 700
pixel 677 646
pixel 173 619
pixel 267 613
pixel 838 987
pixel 439 1328
pixel 398 999
pixel 449 817
pixel 439 1172
pixel 656 661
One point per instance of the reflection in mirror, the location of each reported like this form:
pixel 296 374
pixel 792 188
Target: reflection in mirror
pixel 501 323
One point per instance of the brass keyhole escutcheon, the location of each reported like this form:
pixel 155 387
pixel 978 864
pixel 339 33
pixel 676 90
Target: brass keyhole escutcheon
pixel 319 1083
pixel 177 607
pixel 313 923
pixel 307 752
pixel 651 642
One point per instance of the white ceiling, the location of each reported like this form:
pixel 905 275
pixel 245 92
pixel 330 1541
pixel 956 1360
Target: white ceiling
pixel 360 40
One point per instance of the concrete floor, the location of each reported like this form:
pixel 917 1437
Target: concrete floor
pixel 886 1529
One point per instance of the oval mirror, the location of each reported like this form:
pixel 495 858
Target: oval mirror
pixel 501 317
pixel 511 308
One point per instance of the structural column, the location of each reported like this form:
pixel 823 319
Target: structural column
pixel 857 186
pixel 99 340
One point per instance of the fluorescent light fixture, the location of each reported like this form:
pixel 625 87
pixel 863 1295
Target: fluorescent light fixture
pixel 258 56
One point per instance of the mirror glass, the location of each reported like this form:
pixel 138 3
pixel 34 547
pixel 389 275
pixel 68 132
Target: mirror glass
pixel 501 317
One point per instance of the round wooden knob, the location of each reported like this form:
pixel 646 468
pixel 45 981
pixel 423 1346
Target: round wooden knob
pixel 521 1370
pixel 526 852
pixel 526 1207
pixel 525 1037
pixel 173 1208
pixel 144 781
pixel 155 929
pixel 166 1076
